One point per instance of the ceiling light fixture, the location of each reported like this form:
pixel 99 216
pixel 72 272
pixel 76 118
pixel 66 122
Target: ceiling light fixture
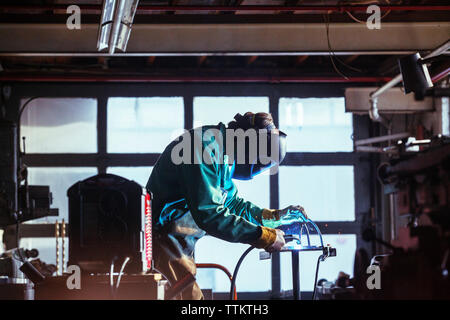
pixel 115 26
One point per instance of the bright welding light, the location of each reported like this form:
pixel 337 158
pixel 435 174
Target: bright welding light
pixel 291 217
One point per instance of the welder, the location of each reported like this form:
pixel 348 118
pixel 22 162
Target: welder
pixel 197 196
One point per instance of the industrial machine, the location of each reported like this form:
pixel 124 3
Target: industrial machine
pixel 19 201
pixel 110 234
pixel 420 184
pixel 415 264
pixel 108 225
pixel 11 261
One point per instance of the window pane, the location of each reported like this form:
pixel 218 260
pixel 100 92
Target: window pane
pixel 60 125
pixel 140 125
pixel 212 110
pixel 254 275
pixel 137 174
pixel 59 180
pixel 316 124
pixel 257 190
pixel 326 192
pixel 329 269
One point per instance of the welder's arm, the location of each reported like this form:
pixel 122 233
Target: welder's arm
pixel 244 209
pixel 204 196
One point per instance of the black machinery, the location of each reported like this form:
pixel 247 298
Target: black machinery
pixel 109 223
pixel 19 201
pixel 109 243
pixel 416 264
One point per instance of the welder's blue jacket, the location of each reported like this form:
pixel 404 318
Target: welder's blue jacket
pixel 191 199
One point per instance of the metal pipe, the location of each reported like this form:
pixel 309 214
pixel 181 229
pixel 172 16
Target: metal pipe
pixel 296 275
pixel 393 82
pixel 317 230
pixel 441 75
pixel 189 54
pixel 57 246
pixel 396 136
pixel 63 245
pixel 177 79
pixel 374 114
pixel 311 9
pixel 392 217
pixel 370 149
pixel 307 234
pixel 304 225
pixel 220 267
pixel 149 9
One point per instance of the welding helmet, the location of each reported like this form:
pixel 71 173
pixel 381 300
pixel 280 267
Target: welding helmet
pixel 258 145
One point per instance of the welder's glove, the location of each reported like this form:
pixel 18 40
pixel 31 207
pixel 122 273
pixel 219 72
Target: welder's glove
pixel 277 214
pixel 278 243
pixel 270 239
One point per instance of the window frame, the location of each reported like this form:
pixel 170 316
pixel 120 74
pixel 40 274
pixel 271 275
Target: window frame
pixel 366 197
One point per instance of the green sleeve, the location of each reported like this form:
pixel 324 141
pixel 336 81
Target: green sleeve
pixel 242 208
pixel 205 197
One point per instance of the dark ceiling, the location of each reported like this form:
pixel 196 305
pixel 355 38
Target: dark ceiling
pixel 356 66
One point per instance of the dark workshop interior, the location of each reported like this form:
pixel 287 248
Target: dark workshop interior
pixel 224 150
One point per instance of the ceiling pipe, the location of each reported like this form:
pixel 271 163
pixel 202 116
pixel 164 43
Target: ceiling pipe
pixel 193 54
pixel 441 75
pixel 146 79
pixel 149 9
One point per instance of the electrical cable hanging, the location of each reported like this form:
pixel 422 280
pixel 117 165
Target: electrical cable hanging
pixel 369 2
pixel 364 22
pixel 331 53
pixel 333 56
pixel 121 271
pixel 113 290
pixel 111 274
pixel 236 270
pixel 19 117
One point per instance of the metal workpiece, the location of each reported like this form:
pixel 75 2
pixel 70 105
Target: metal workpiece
pixel 298 239
pixel 294 246
pixel 294 242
